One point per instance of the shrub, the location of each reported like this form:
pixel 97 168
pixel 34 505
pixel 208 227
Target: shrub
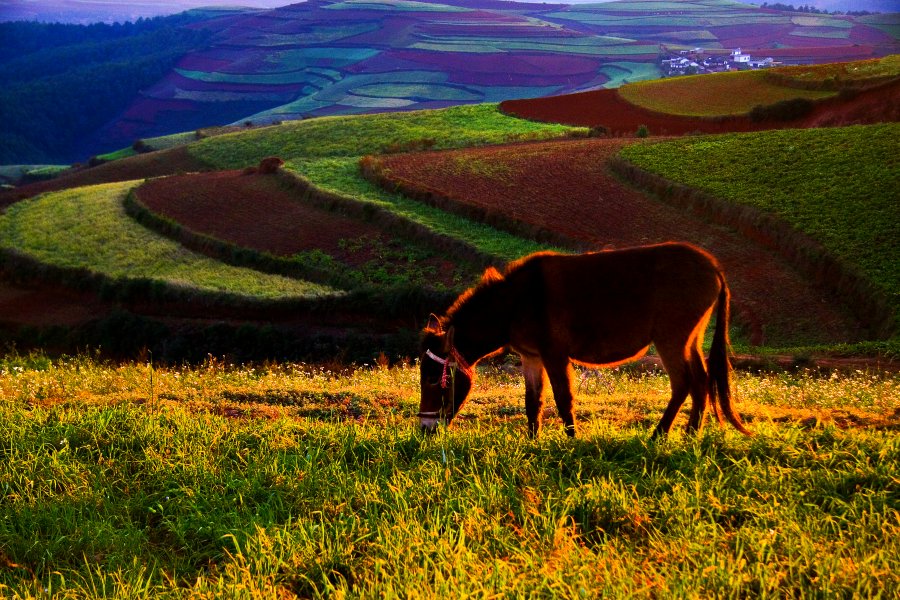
pixel 270 165
pixel 642 131
pixel 784 110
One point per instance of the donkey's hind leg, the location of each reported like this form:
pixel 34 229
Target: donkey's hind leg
pixel 699 389
pixel 533 370
pixel 560 375
pixel 679 371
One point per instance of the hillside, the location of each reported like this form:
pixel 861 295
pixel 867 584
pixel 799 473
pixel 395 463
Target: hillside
pixel 61 83
pixel 327 57
pixel 376 220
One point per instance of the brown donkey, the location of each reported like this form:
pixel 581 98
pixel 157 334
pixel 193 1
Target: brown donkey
pixel 600 308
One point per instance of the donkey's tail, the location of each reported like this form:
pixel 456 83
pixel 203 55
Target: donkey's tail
pixel 718 364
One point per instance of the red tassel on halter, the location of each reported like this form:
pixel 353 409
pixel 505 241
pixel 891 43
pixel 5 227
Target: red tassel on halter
pixel 445 374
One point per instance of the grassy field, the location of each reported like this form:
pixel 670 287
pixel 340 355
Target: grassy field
pixel 283 480
pixel 837 185
pixel 356 136
pixel 715 94
pixel 87 228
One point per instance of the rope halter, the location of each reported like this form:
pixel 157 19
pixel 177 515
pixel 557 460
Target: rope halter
pixel 457 361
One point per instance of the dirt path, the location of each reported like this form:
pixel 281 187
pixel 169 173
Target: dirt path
pixel 566 187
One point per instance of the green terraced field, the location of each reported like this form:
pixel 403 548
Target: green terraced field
pixel 356 136
pixel 620 73
pixel 341 176
pixel 87 228
pixel 326 151
pixel 838 185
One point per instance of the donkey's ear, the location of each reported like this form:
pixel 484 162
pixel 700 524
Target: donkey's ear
pixel 448 340
pixel 434 323
pixel 491 274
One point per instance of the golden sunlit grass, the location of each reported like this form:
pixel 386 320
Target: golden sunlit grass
pixel 295 480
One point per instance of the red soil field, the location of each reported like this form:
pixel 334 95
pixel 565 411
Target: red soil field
pixel 608 109
pixel 259 212
pixel 251 211
pixel 41 306
pixel 566 187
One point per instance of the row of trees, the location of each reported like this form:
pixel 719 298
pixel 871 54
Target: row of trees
pixel 806 8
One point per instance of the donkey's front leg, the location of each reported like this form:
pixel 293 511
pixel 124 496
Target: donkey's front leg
pixel 533 370
pixel 561 382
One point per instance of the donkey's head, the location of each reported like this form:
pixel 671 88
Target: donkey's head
pixel 445 377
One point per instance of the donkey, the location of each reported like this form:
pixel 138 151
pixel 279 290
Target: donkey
pixel 594 309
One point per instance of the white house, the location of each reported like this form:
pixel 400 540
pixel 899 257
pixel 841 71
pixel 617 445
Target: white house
pixel 739 57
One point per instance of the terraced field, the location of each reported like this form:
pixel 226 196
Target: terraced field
pixel 296 62
pixel 480 187
pixel 734 101
pixel 713 95
pixel 260 213
pixel 565 187
pixel 86 229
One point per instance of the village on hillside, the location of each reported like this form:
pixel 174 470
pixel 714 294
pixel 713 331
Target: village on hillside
pixel 699 60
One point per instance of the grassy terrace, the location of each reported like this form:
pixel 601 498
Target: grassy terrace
pixel 326 151
pixel 355 136
pixel 129 481
pixel 87 228
pixel 837 185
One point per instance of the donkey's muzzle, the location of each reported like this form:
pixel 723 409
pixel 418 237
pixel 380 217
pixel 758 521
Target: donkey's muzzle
pixel 429 421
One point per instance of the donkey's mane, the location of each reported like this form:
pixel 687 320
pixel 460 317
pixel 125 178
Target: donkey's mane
pixel 490 280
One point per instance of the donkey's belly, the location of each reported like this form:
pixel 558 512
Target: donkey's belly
pixel 609 357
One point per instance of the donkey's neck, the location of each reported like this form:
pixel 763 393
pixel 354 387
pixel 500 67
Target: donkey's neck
pixel 481 322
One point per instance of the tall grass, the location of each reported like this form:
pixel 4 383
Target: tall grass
pixel 87 229
pixel 282 480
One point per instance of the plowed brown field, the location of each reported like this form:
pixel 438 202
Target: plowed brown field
pixel 565 187
pixel 259 212
pixel 608 109
pixel 251 211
